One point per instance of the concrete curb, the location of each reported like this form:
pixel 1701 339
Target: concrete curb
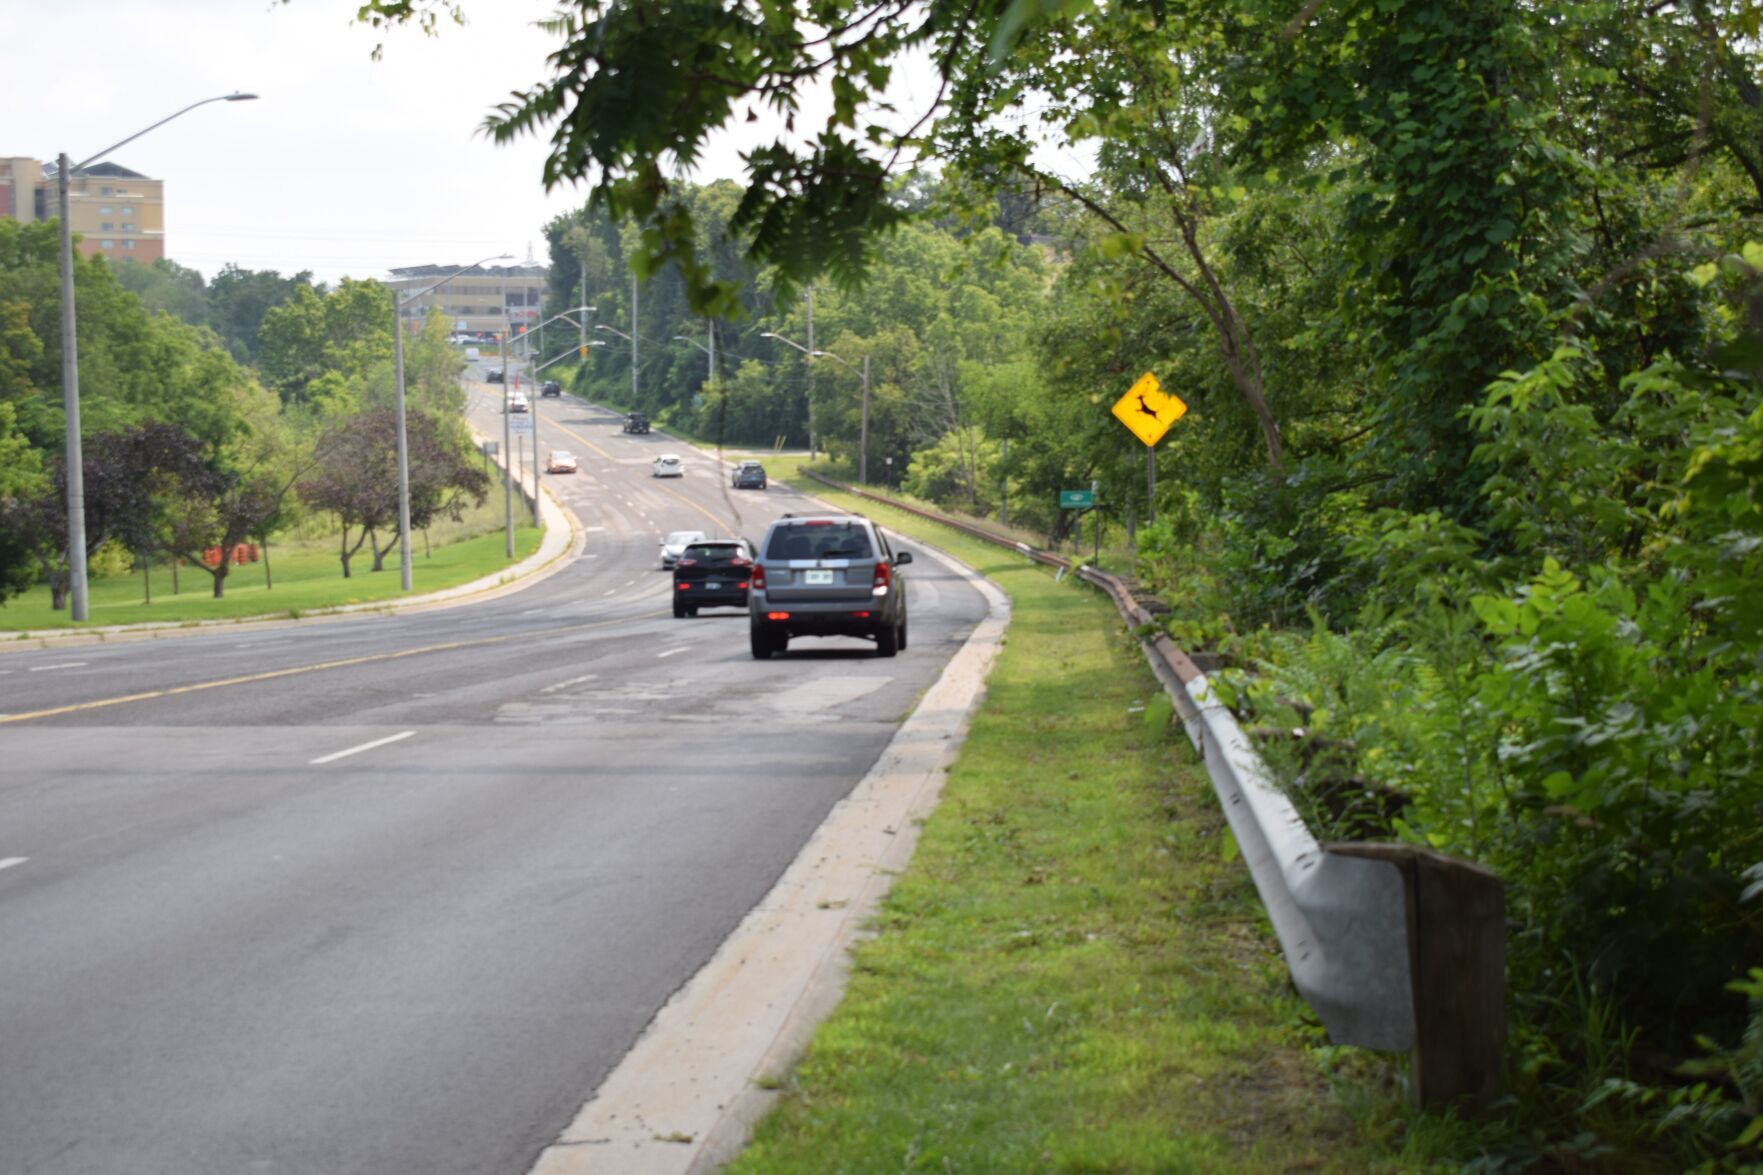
pixel 685 1098
pixel 562 542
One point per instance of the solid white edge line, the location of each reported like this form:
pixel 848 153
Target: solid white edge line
pixel 63 665
pixel 378 742
pixel 9 862
pixel 671 652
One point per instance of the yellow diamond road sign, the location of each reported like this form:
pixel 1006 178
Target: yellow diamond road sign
pixel 1148 410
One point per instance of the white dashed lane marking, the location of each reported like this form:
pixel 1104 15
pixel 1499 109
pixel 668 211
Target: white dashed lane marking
pixel 9 862
pixel 378 742
pixel 63 665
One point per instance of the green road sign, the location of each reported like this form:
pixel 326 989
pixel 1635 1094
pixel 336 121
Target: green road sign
pixel 1077 499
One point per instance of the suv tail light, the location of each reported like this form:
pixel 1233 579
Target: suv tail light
pixel 883 576
pixel 688 562
pixel 758 577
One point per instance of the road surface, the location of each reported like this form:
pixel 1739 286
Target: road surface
pixel 394 893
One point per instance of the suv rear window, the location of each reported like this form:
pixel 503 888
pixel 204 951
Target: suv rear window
pixel 713 551
pixel 820 540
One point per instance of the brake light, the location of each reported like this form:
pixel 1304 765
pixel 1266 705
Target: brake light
pixel 777 615
pixel 738 561
pixel 759 576
pixel 688 562
pixel 861 615
pixel 883 575
pixel 742 585
pixel 683 586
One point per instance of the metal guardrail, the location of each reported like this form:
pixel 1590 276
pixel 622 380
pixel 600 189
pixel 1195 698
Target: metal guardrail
pixel 1393 946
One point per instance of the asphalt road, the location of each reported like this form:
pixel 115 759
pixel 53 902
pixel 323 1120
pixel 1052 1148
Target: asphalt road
pixel 389 894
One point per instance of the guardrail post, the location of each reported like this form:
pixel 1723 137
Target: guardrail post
pixel 1457 953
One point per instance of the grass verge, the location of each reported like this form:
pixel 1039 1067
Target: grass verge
pixel 1069 976
pixel 307 576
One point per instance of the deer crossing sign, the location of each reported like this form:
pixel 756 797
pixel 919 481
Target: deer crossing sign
pixel 1148 410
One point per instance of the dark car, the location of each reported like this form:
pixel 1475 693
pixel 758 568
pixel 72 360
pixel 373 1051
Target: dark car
pixel 749 475
pixel 493 375
pixel 550 388
pixel 712 573
pixel 636 422
pixel 827 575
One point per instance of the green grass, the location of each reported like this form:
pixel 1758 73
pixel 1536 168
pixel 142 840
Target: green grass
pixel 307 576
pixel 1069 977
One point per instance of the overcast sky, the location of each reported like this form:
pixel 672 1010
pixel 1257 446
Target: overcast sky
pixel 345 166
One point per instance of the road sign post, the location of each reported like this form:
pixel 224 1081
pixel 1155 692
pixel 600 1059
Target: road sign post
pixel 1148 411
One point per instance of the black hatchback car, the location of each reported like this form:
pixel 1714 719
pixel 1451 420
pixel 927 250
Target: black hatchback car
pixel 550 388
pixel 749 475
pixel 712 573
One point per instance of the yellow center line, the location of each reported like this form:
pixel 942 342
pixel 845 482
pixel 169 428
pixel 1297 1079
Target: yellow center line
pixel 555 423
pixel 269 675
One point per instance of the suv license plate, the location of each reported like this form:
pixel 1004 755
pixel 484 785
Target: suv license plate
pixel 817 575
pixel 711 585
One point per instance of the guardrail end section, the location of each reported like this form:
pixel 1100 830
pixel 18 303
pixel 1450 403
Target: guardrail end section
pixel 1457 952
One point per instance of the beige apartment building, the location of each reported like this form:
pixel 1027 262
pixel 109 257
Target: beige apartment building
pixel 115 212
pixel 477 302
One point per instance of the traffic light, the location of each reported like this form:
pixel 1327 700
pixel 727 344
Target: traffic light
pixel 584 350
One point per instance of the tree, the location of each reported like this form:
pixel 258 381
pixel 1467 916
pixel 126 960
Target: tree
pixel 122 472
pixel 355 477
pixel 21 481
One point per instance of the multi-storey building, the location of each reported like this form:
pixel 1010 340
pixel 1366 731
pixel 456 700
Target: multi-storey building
pixel 478 302
pixel 116 212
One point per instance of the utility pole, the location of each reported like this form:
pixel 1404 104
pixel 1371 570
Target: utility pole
pixel 812 454
pixel 634 400
pixel 70 401
pixel 507 453
pixel 403 446
pixel 1004 485
pixel 712 356
pixel 863 438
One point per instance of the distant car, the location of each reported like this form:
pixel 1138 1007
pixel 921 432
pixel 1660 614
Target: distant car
pixel 667 465
pixel 550 388
pixel 493 375
pixel 827 575
pixel 636 422
pixel 517 402
pixel 562 461
pixel 674 545
pixel 471 355
pixel 711 574
pixel 749 475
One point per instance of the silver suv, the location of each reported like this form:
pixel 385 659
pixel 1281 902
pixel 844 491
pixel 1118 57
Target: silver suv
pixel 827 575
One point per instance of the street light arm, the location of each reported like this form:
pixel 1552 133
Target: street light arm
pixel 612 330
pixel 787 343
pixel 694 342
pixel 234 97
pixel 851 367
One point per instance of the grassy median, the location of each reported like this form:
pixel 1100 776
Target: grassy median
pixel 306 574
pixel 1070 976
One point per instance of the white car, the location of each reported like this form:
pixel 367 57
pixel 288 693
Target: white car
pixel 668 465
pixel 517 402
pixel 674 544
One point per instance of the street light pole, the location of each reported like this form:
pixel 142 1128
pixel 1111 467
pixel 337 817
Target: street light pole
pixel 812 455
pixel 70 365
pixel 398 304
pixel 507 454
pixel 633 338
pixel 863 441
